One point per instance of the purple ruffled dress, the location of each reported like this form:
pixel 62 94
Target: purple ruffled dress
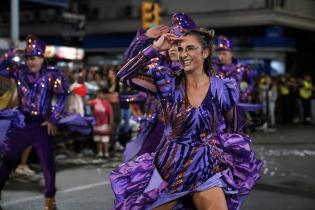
pixel 194 154
pixel 9 118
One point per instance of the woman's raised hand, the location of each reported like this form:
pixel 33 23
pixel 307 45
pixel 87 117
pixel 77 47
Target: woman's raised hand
pixel 156 32
pixel 165 42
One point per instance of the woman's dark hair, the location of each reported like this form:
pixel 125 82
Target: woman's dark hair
pixel 205 37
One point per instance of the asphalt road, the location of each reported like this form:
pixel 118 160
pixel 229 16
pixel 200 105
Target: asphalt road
pixel 287 178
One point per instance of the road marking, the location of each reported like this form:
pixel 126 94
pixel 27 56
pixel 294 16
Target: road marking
pixel 84 187
pixel 74 189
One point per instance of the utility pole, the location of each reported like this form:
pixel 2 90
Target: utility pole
pixel 15 16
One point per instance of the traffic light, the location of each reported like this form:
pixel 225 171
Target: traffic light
pixel 150 14
pixel 156 13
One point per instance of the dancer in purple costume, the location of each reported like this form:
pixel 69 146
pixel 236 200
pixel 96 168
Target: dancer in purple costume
pixel 227 66
pixel 194 157
pixel 37 85
pixel 152 126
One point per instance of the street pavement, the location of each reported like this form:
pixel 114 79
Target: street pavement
pixel 287 181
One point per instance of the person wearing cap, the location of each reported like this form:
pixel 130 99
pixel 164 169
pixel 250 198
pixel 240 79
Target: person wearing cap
pixel 152 124
pixel 226 66
pixel 37 84
pixel 195 156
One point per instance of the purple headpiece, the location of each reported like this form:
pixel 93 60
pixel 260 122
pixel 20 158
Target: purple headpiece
pixel 34 46
pixel 223 43
pixel 181 23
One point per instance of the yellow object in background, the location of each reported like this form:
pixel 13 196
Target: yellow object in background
pixel 5 100
pixel 284 90
pixel 306 90
pixel 8 98
pixel 243 86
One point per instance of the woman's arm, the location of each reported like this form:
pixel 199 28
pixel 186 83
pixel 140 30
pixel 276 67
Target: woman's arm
pixel 135 72
pixel 143 39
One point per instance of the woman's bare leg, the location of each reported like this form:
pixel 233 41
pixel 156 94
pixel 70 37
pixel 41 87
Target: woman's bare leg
pixel 212 199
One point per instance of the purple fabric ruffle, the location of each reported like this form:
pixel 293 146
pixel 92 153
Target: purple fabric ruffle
pixel 225 91
pixel 16 117
pixel 9 118
pixel 129 183
pixel 236 162
pixel 243 169
pixel 77 123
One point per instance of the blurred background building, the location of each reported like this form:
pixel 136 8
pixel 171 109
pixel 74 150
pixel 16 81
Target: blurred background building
pixel 273 36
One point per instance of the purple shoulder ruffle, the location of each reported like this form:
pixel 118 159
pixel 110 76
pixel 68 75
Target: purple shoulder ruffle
pixel 130 182
pixel 225 92
pixel 243 169
pixel 9 118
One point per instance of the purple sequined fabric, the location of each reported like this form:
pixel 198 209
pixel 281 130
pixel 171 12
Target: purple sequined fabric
pixel 242 168
pixel 9 118
pixel 181 23
pixel 129 182
pixel 74 122
pixel 35 91
pixel 193 149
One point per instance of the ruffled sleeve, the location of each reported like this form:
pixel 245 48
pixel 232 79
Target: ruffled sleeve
pixel 146 72
pixel 225 91
pixel 139 42
pixel 60 88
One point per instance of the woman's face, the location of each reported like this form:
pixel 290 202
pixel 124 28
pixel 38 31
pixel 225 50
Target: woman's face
pixel 191 54
pixel 173 52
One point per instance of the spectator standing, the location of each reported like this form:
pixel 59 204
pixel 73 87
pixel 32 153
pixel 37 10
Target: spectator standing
pixel 113 97
pixel 103 113
pixel 305 92
pixel 268 97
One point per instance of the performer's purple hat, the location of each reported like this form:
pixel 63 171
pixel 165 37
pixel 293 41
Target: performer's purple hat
pixel 34 46
pixel 181 23
pixel 223 43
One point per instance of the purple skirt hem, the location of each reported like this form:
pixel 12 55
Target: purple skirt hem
pixel 215 181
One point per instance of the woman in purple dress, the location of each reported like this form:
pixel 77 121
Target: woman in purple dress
pixel 195 156
pixel 152 125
